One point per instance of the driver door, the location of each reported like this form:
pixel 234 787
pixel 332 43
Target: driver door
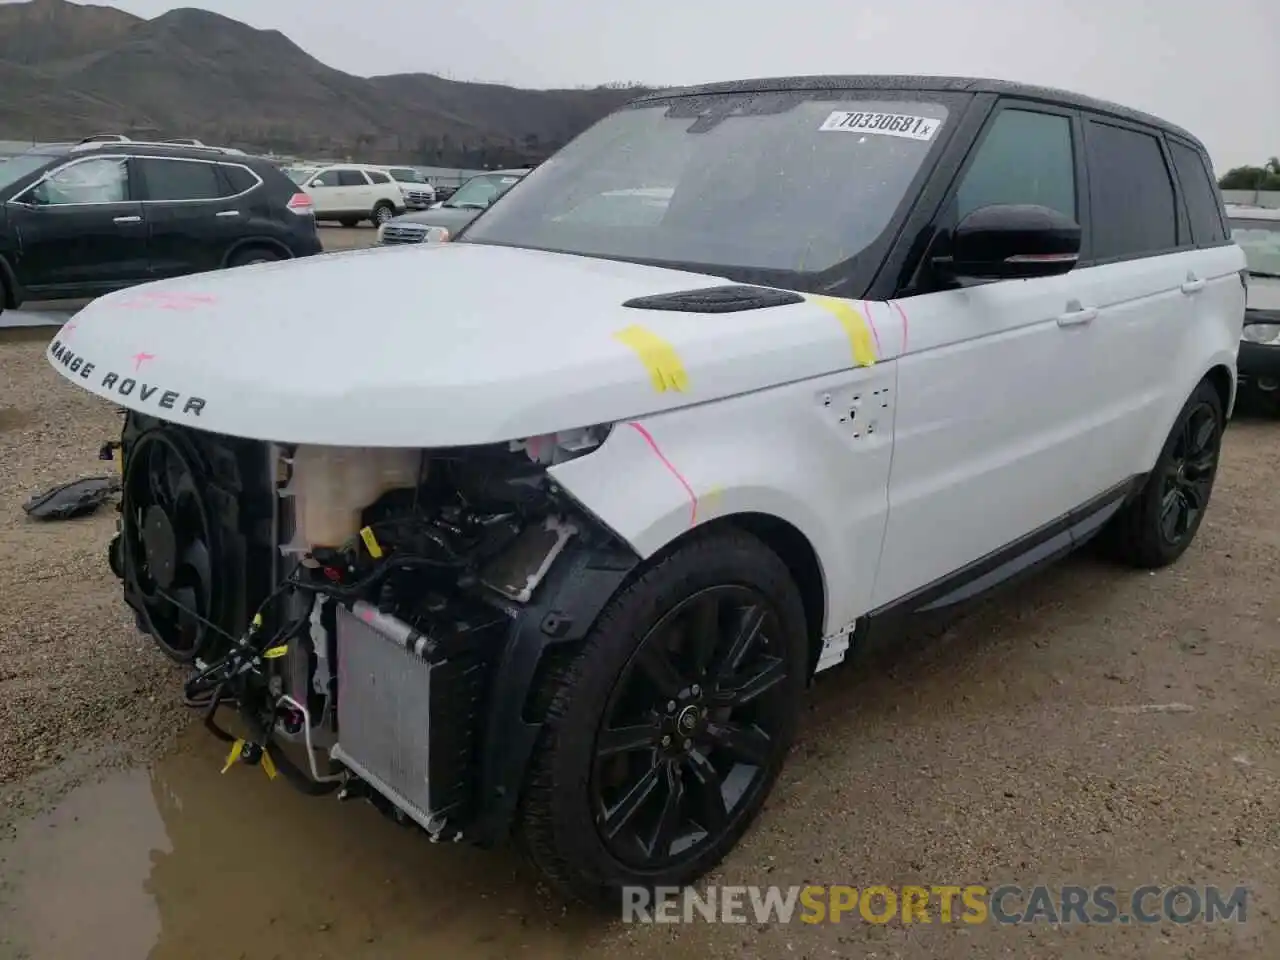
pixel 80 230
pixel 993 427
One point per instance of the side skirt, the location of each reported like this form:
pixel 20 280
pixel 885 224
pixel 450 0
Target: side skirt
pixel 1005 567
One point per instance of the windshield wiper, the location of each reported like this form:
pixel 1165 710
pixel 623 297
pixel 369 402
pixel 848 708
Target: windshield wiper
pixel 1264 274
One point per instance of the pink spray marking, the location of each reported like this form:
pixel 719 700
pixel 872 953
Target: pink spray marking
pixel 139 359
pixel 903 314
pixel 168 301
pixel 871 322
pixel 653 445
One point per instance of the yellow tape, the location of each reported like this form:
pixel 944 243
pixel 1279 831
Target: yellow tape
pixel 275 652
pixel 855 327
pixel 236 749
pixel 371 543
pixel 268 764
pixel 660 359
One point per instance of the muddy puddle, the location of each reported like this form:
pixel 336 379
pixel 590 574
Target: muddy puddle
pixel 179 861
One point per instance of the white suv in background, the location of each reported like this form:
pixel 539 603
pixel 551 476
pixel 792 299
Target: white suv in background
pixel 351 192
pixel 418 193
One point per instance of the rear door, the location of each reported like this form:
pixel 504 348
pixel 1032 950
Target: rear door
pixel 80 229
pixel 190 224
pixel 1143 280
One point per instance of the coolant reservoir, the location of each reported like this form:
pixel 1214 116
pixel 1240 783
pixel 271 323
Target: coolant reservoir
pixel 331 486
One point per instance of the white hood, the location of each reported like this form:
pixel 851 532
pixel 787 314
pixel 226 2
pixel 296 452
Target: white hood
pixel 424 346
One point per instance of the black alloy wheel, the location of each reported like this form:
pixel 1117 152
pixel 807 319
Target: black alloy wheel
pixel 691 728
pixel 665 729
pixel 1189 473
pixel 1155 528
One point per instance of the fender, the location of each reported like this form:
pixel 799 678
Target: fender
pixel 563 611
pixel 814 453
pixel 239 245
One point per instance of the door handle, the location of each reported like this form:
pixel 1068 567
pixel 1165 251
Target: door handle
pixel 1192 284
pixel 128 219
pixel 228 213
pixel 1076 315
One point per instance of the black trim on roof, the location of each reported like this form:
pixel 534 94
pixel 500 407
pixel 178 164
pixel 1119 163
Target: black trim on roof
pixel 928 84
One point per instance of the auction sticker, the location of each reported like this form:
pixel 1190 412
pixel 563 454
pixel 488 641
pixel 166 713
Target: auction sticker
pixel 887 124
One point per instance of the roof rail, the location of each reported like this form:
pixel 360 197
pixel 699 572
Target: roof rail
pixel 186 144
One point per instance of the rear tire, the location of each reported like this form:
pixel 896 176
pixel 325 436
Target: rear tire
pixel 666 691
pixel 349 222
pixel 1155 529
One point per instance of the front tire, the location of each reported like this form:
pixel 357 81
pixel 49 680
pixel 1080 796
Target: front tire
pixel 665 732
pixel 1155 529
pixel 382 213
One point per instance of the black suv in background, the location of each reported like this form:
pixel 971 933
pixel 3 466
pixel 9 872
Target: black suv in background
pixel 86 219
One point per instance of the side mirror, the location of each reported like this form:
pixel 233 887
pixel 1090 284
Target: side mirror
pixel 1012 242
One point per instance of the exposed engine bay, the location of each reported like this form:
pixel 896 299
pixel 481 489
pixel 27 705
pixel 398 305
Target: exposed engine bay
pixel 358 609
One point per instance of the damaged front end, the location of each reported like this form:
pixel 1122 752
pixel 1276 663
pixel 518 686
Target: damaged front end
pixel 378 618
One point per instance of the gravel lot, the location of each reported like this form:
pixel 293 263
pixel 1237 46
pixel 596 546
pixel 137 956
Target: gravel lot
pixel 1010 750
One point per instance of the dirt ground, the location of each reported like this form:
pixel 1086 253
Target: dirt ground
pixel 1018 748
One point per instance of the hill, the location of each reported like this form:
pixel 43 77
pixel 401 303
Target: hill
pixel 68 70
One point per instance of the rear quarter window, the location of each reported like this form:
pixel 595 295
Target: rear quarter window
pixel 1201 193
pixel 377 177
pixel 237 180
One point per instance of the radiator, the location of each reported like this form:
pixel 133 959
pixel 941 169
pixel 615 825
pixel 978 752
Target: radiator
pixel 408 710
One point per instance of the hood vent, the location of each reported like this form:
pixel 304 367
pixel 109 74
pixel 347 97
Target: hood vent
pixel 730 299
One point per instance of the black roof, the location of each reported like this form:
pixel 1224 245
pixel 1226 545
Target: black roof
pixel 931 84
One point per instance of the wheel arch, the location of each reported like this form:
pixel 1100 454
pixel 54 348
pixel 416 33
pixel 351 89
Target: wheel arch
pixel 791 546
pixel 1224 381
pixel 250 243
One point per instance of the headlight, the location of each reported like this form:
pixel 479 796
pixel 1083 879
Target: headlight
pixel 1268 333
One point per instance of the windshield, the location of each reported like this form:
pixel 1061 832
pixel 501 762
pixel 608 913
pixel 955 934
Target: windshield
pixel 478 192
pixel 403 175
pixel 300 175
pixel 15 168
pixel 1260 240
pixel 780 181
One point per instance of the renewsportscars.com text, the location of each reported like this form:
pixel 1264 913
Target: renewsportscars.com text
pixel 941 903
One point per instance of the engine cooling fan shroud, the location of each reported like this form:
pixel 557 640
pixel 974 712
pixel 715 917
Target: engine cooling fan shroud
pixel 170 545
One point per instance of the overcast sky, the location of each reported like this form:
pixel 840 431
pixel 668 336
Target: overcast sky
pixel 1213 67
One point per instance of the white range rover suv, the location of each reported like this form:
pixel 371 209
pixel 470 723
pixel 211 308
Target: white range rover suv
pixel 555 552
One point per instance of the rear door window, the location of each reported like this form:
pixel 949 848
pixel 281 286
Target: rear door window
pixel 178 180
pixel 1131 200
pixel 352 178
pixel 1201 194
